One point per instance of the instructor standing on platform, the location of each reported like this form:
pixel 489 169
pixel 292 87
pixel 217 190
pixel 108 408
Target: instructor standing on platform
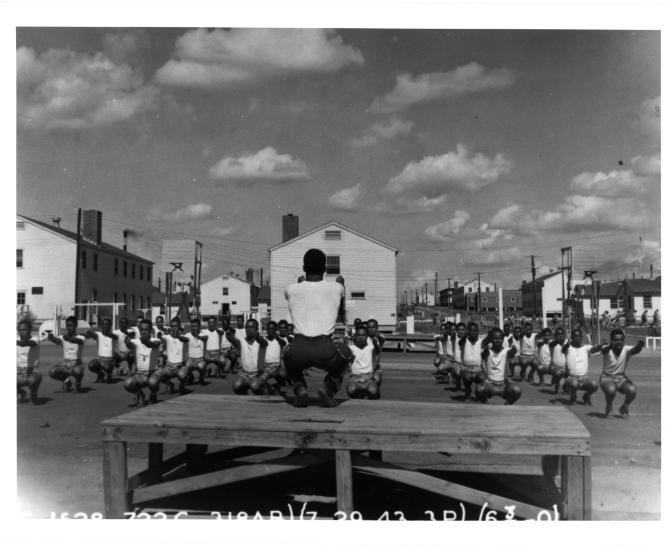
pixel 314 305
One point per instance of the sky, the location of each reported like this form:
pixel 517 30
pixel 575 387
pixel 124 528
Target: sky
pixel 468 150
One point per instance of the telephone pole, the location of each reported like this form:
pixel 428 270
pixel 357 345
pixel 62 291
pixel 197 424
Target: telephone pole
pixel 435 292
pixel 532 269
pixel 479 292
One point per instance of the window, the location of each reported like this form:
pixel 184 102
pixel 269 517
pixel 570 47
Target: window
pixel 115 266
pixel 469 289
pixel 487 289
pixel 148 302
pixel 20 298
pixel 133 302
pixel 647 302
pixel 134 270
pixel 115 297
pixel 125 299
pixel 333 235
pixel 233 303
pixel 141 272
pixel 358 295
pixel 37 290
pixel 94 262
pixel 225 291
pixel 333 265
pixel 20 225
pixel 83 259
pixel 613 303
pixel 141 302
pixel 124 269
pixel 94 295
pixel 19 257
pixel 148 273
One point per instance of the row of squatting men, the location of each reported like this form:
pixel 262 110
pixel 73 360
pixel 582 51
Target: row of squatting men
pixel 544 354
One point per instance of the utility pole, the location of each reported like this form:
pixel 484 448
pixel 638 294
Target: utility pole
pixel 566 263
pixel 435 292
pixel 479 292
pixel 532 269
pixel 77 264
pixel 425 294
pixel 197 276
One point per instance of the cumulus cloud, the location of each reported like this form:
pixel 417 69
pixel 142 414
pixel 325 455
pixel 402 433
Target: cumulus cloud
pixel 465 79
pixel 617 183
pixel 493 257
pixel 222 232
pixel 576 213
pixel 62 89
pixel 217 58
pixel 125 46
pixel 646 165
pixel 406 205
pixel 386 130
pixel 264 166
pixel 448 229
pixel 433 175
pixel 346 199
pixel 198 211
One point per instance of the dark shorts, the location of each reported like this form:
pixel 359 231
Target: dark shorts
pixel 320 352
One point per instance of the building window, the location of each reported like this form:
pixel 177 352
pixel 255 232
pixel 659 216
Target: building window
pixel 358 295
pixel 141 302
pixel 141 272
pixel 333 265
pixel 125 299
pixel 647 302
pixel 233 303
pixel 148 273
pixel 115 297
pixel 124 269
pixel 134 270
pixel 333 235
pixel 20 225
pixel 148 302
pixel 487 289
pixel 19 257
pixel 37 290
pixel 83 259
pixel 20 298
pixel 469 289
pixel 225 291
pixel 133 302
pixel 94 295
pixel 613 303
pixel 94 262
pixel 115 266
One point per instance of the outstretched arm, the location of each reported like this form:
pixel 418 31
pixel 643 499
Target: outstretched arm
pixel 638 347
pixel 91 334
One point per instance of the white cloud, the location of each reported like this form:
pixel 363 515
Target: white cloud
pixel 125 46
pixel 448 229
pixel 198 211
pixel 648 117
pixel 264 166
pixel 386 130
pixel 465 79
pixel 407 205
pixel 346 199
pixel 493 257
pixel 617 183
pixel 61 89
pixel 646 165
pixel 418 278
pixel 506 216
pixel 618 265
pixel 222 232
pixel 217 58
pixel 433 175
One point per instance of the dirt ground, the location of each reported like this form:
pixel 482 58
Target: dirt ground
pixel 60 465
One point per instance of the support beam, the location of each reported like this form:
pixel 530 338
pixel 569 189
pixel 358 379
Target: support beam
pixel 576 487
pixel 344 482
pixel 114 463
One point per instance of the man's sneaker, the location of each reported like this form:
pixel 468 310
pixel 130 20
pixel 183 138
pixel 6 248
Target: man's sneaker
pixel 624 411
pixel 33 398
pixel 607 411
pixel 573 397
pixel 326 398
pixel 23 396
pixel 587 399
pixel 301 398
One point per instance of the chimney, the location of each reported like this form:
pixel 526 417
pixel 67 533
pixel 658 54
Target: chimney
pixel 56 222
pixel 250 275
pixel 290 227
pixel 125 233
pixel 91 226
pixel 651 277
pixel 633 274
pixel 261 277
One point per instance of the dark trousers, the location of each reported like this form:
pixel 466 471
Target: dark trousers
pixel 320 352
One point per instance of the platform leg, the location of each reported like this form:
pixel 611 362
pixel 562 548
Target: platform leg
pixel 576 487
pixel 117 500
pixel 155 457
pixel 344 481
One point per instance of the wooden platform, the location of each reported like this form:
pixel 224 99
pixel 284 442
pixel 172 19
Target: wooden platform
pixel 550 434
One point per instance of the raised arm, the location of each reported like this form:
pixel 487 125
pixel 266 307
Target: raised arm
pixel 263 342
pixel 153 343
pixel 30 343
pixel 232 339
pixel 91 334
pixel 51 338
pixel 512 352
pixel 638 347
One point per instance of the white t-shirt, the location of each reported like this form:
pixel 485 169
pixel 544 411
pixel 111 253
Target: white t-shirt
pixel 273 351
pixel 528 344
pixel 174 348
pixel 27 355
pixel 72 351
pixel 449 349
pixel 145 357
pixel 439 348
pixel 577 359
pixel 363 360
pixel 213 340
pixel 495 365
pixel 613 365
pixel 249 356
pixel 472 353
pixel 120 342
pixel 457 350
pixel 544 355
pixel 104 345
pixel 159 332
pixel 314 306
pixel 557 355
pixel 195 346
pixel 224 343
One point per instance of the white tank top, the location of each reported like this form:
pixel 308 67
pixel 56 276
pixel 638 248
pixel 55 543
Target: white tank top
pixel 104 345
pixel 457 350
pixel 213 340
pixel 27 355
pixel 146 358
pixel 439 348
pixel 472 353
pixel 224 343
pixel 249 356
pixel 72 351
pixel 495 365
pixel 174 349
pixel 557 356
pixel 363 360
pixel 544 355
pixel 449 350
pixel 577 359
pixel 272 356
pixel 195 346
pixel 612 365
pixel 528 344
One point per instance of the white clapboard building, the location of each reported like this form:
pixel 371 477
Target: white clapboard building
pixel 367 265
pixel 225 295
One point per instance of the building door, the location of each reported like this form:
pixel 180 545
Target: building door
pixel 225 308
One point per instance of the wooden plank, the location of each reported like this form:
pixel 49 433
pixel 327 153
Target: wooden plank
pixel 344 482
pixel 148 476
pixel 117 499
pixel 551 469
pixel 442 487
pixel 224 477
pixel 576 487
pixel 480 463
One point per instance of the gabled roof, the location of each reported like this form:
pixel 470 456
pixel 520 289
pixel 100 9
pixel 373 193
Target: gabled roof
pixel 71 235
pixel 339 225
pixel 607 290
pixel 643 286
pixel 225 275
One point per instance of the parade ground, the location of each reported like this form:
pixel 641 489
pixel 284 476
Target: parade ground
pixel 60 451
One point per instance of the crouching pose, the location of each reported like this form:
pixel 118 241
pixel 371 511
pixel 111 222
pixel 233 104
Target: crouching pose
pixel 528 350
pixel 613 379
pixel 514 339
pixel 543 355
pixel 196 361
pixel 103 364
pixel 271 376
pixel 122 353
pixel 558 365
pixel 27 360
pixel 70 371
pixel 214 362
pixel 364 379
pixel 455 339
pixel 471 355
pixel 495 377
pixel 174 367
pixel 576 357
pixel 444 354
pixel 252 351
pixel 146 355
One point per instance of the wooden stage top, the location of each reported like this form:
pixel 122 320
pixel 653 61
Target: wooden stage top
pixel 356 425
